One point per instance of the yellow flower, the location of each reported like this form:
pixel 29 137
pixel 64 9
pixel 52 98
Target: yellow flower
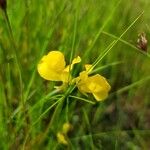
pixel 66 127
pixel 96 84
pixel 61 138
pixel 62 135
pixel 53 67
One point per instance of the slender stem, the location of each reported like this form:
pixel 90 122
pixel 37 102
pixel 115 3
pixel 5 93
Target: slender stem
pixel 10 29
pixel 14 53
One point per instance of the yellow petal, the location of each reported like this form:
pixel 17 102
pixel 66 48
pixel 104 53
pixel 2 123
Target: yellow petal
pixel 83 76
pixel 99 87
pixel 65 76
pixel 51 66
pixel 61 138
pixel 82 82
pixel 100 81
pixel 67 68
pixel 83 88
pixel 75 61
pixel 88 68
pixel 48 74
pixel 66 127
pixel 96 85
pixel 100 95
pixel 55 60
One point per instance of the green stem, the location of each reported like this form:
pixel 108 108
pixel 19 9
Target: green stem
pixel 14 53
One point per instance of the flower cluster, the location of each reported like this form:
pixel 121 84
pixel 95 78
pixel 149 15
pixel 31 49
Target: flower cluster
pixel 62 136
pixel 53 67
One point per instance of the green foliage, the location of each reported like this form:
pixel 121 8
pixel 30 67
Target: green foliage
pixel 102 32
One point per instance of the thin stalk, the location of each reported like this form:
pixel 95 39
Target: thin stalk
pixel 101 56
pixel 14 53
pixel 101 29
pixel 14 50
pixel 56 114
pixel 127 43
pixel 73 43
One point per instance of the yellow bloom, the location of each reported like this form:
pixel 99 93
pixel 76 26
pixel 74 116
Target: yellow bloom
pixel 88 68
pixel 61 138
pixel 66 127
pixel 53 66
pixel 96 85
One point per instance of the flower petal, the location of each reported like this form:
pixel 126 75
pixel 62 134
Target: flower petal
pixel 100 95
pixel 88 68
pixel 67 127
pixel 51 66
pixel 75 61
pixel 100 82
pixel 65 76
pixel 61 138
pixel 47 73
pixel 65 73
pixel 99 87
pixel 55 60
pixel 82 82
pixel 96 85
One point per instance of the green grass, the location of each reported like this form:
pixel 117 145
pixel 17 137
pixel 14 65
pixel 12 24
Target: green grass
pixel 103 33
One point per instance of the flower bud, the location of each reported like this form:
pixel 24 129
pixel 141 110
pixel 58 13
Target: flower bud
pixel 142 42
pixel 3 4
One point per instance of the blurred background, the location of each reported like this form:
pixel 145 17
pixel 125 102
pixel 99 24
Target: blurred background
pixel 87 27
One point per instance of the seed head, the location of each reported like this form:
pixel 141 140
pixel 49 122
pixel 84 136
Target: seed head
pixel 3 4
pixel 142 42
